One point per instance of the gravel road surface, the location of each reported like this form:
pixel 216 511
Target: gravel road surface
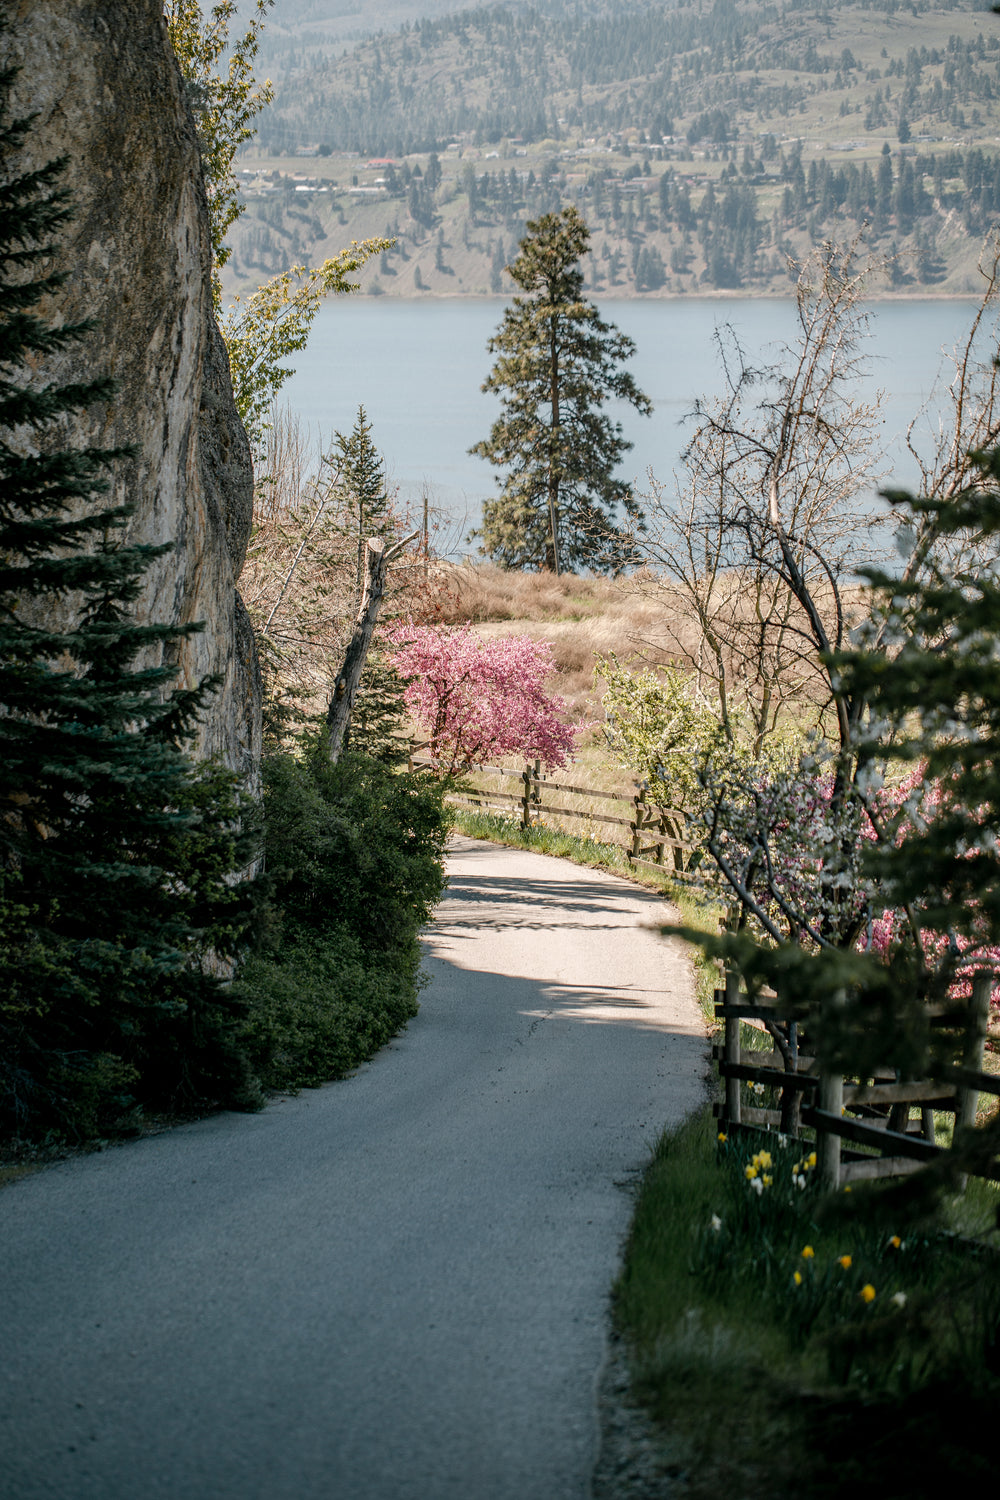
pixel 391 1288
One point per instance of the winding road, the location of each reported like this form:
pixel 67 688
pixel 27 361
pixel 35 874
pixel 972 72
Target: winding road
pixel 391 1288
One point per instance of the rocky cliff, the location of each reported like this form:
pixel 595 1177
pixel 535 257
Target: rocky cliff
pixel 103 83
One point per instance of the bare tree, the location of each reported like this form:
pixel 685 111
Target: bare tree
pixel 754 552
pixel 971 424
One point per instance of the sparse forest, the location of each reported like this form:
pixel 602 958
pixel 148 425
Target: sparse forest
pixel 703 144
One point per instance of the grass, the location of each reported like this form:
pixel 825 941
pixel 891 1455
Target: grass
pixel 768 1387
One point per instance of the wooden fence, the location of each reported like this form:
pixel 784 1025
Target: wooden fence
pixel 872 1112
pixel 657 836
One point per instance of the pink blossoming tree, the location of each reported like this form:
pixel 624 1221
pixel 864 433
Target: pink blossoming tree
pixel 481 699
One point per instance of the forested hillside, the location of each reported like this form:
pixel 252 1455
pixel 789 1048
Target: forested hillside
pixel 704 142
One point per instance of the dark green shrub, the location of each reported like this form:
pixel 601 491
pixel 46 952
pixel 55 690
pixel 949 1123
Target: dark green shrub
pixel 354 854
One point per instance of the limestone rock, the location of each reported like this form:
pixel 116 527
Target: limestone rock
pixel 105 87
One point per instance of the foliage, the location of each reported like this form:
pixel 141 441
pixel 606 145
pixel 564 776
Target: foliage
pixel 481 699
pixel 659 726
pixel 117 853
pixel 717 1293
pixel 224 106
pixel 558 364
pixel 355 856
pixel 933 705
pixel 274 322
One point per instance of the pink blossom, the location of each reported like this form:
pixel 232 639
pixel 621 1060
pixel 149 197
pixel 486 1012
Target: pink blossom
pixel 481 699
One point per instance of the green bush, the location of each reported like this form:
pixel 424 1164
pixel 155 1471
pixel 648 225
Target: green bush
pixel 354 854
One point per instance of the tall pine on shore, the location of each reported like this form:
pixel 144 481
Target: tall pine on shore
pixel 558 363
pixel 117 852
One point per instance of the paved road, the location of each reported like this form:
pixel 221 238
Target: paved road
pixel 392 1288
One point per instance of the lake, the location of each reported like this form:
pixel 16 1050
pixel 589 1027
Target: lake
pixel 417 368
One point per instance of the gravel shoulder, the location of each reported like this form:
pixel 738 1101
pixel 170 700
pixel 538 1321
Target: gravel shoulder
pixel 391 1288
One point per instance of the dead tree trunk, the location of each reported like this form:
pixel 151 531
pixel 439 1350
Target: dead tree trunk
pixel 338 717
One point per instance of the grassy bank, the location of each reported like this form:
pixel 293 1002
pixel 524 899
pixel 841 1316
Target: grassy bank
pixel 789 1347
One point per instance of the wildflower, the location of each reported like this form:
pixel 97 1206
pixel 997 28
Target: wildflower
pixel 808 1253
pixel 867 1293
pixel 797 1278
pixel 811 1159
pixel 845 1262
pixel 895 1242
pixel 899 1298
pixel 749 1172
pixel 762 1159
pixel 716 1223
pixel 723 1137
pixel 766 1179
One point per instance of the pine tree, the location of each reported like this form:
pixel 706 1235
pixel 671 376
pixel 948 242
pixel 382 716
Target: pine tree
pixel 558 364
pixel 363 491
pixel 934 705
pixel 379 709
pixel 116 852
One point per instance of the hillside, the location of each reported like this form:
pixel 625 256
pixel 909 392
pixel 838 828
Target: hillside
pixel 705 144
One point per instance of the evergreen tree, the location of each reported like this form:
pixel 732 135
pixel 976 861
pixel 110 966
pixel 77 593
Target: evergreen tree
pixel 362 486
pixel 558 364
pixel 379 709
pixel 116 852
pixel 933 705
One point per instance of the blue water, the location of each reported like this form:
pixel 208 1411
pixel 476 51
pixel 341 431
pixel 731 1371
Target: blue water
pixel 417 368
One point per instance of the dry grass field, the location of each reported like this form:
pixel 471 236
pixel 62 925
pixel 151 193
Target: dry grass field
pixel 581 618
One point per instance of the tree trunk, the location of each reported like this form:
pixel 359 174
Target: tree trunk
pixel 338 717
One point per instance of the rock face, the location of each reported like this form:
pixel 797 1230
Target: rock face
pixel 107 94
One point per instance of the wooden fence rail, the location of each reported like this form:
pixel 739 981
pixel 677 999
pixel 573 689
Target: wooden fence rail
pixel 873 1113
pixel 659 838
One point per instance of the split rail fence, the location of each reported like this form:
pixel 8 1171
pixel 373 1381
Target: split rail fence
pixel 873 1112
pixel 657 836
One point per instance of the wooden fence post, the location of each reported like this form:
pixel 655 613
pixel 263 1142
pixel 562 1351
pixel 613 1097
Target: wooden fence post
pixel 662 831
pixel 831 1101
pixel 731 1050
pixel 967 1099
pixel 640 806
pixel 526 799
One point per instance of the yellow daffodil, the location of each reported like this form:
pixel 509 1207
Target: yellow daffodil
pixel 766 1180
pixel 867 1292
pixel 749 1172
pixel 811 1159
pixel 762 1159
pixel 808 1253
pixel 797 1278
pixel 845 1262
pixel 723 1137
pixel 895 1241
